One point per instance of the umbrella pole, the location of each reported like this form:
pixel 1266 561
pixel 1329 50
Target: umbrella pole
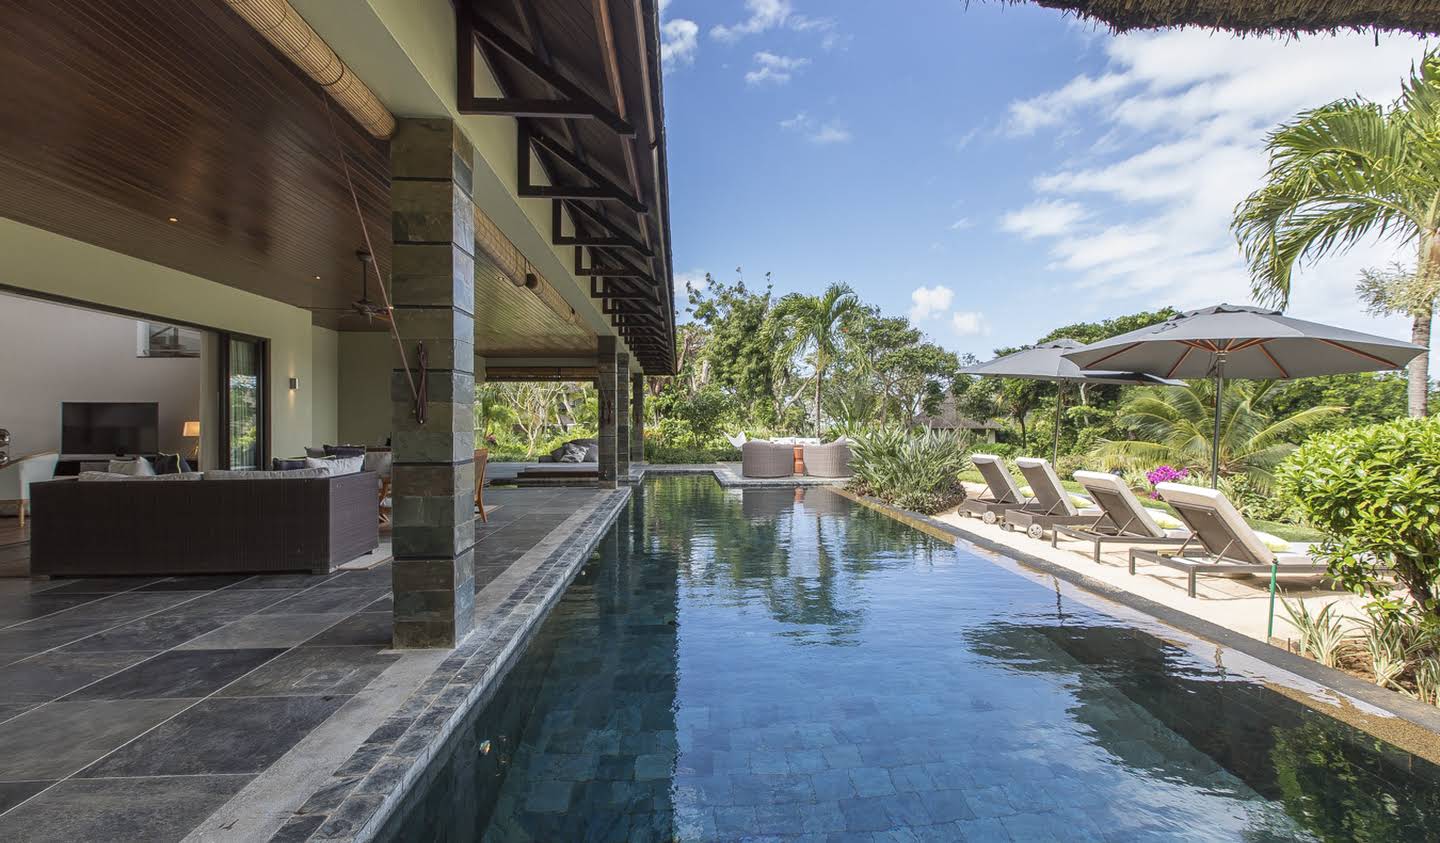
pixel 1059 398
pixel 1215 439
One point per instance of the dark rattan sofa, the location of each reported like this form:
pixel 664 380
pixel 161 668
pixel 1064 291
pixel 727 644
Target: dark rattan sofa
pixel 201 527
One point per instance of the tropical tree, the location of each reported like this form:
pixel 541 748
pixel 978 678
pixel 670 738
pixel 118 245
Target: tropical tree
pixel 812 327
pixel 1174 425
pixel 1341 173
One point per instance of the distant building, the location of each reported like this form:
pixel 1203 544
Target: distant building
pixel 949 418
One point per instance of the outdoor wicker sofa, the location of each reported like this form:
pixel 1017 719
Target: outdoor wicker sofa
pixel 831 460
pixel 213 526
pixel 759 458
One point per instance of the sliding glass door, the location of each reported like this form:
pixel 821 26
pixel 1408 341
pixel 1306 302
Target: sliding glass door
pixel 243 402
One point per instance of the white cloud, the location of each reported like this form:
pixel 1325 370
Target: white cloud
pixel 1043 219
pixel 928 302
pixel 766 15
pixel 770 67
pixel 969 323
pixel 679 41
pixel 1179 120
pixel 962 224
pixel 831 131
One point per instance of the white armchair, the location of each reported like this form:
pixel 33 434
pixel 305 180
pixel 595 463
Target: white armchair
pixel 17 475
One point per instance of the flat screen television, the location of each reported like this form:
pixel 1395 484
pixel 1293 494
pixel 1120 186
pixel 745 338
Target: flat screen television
pixel 101 429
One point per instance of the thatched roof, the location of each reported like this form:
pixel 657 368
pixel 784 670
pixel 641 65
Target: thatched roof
pixel 1421 17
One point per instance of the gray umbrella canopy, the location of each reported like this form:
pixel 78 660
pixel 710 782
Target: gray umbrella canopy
pixel 1047 362
pixel 1244 342
pixel 1233 341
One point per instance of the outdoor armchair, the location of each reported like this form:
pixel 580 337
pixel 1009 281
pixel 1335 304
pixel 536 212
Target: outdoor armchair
pixel 832 460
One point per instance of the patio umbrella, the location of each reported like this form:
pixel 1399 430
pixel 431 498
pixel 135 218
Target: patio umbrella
pixel 1253 343
pixel 1047 362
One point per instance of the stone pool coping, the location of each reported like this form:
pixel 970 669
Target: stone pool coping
pixel 728 475
pixel 1413 712
pixel 364 791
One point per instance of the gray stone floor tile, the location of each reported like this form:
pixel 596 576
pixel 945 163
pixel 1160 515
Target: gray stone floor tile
pixel 131 604
pixel 55 740
pixel 219 736
pixel 327 601
pixel 100 585
pixel 13 793
pixel 149 810
pixel 231 602
pixel 309 671
pixel 177 674
pixel 195 583
pixel 262 631
pixel 48 676
pixel 364 629
pixel 54 631
pixel 158 632
pixel 284 580
pixel 16 608
pixel 378 577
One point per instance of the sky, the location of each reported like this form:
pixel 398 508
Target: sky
pixel 992 171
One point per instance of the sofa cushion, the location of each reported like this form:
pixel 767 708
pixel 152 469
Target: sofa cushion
pixel 245 474
pixel 171 464
pixel 111 476
pixel 287 463
pixel 316 452
pixel 344 450
pixel 379 462
pixel 336 465
pixel 137 467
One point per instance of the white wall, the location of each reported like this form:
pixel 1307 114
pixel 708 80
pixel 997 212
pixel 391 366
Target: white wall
pixel 324 385
pixel 34 259
pixel 366 360
pixel 51 353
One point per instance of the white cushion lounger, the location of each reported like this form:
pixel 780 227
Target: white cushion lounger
pixel 1004 495
pixel 1126 519
pixel 1227 545
pixel 1055 507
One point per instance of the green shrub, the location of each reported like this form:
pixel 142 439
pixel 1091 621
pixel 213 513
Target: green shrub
pixel 917 471
pixel 1375 493
pixel 661 452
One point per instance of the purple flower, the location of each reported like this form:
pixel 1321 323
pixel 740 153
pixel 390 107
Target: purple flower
pixel 1164 474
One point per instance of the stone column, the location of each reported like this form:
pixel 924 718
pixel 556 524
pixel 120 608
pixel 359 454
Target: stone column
pixel 433 291
pixel 605 392
pixel 637 417
pixel 622 417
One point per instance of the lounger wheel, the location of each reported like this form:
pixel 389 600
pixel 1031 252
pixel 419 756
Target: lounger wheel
pixel 1035 531
pixel 989 517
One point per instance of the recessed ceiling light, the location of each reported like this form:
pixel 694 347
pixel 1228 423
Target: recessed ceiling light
pixel 317 278
pixel 174 219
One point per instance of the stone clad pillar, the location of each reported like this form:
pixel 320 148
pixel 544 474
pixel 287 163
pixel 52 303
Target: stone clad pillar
pixel 433 292
pixel 622 417
pixel 605 392
pixel 637 417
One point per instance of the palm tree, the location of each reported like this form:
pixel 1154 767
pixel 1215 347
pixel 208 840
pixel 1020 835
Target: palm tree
pixel 813 325
pixel 1174 425
pixel 1340 173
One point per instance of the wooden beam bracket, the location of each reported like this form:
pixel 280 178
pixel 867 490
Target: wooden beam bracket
pixel 573 101
pixel 604 189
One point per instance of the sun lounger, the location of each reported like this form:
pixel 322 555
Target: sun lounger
pixel 1003 494
pixel 1126 519
pixel 1053 504
pixel 1221 542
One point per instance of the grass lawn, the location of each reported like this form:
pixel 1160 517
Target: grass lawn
pixel 1289 532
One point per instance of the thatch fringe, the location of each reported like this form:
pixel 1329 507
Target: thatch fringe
pixel 1421 17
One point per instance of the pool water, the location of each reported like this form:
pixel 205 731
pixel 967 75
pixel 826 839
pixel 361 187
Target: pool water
pixel 782 664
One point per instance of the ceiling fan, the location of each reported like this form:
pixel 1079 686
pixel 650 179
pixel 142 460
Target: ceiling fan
pixel 363 306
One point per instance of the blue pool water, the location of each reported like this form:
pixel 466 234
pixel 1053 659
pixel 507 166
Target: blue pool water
pixel 782 665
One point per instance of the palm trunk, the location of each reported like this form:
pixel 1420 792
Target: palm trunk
pixel 1419 368
pixel 819 378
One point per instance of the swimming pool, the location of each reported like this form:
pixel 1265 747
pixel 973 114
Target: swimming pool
pixel 783 664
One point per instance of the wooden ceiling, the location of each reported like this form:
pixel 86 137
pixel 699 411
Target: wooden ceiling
pixel 120 116
pixel 515 322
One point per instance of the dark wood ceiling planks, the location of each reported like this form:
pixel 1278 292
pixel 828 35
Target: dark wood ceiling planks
pixel 119 116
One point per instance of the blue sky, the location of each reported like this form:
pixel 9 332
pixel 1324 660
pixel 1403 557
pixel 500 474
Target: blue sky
pixel 993 171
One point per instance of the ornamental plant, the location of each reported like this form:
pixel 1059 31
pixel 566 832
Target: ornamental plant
pixel 1165 474
pixel 918 471
pixel 1375 492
